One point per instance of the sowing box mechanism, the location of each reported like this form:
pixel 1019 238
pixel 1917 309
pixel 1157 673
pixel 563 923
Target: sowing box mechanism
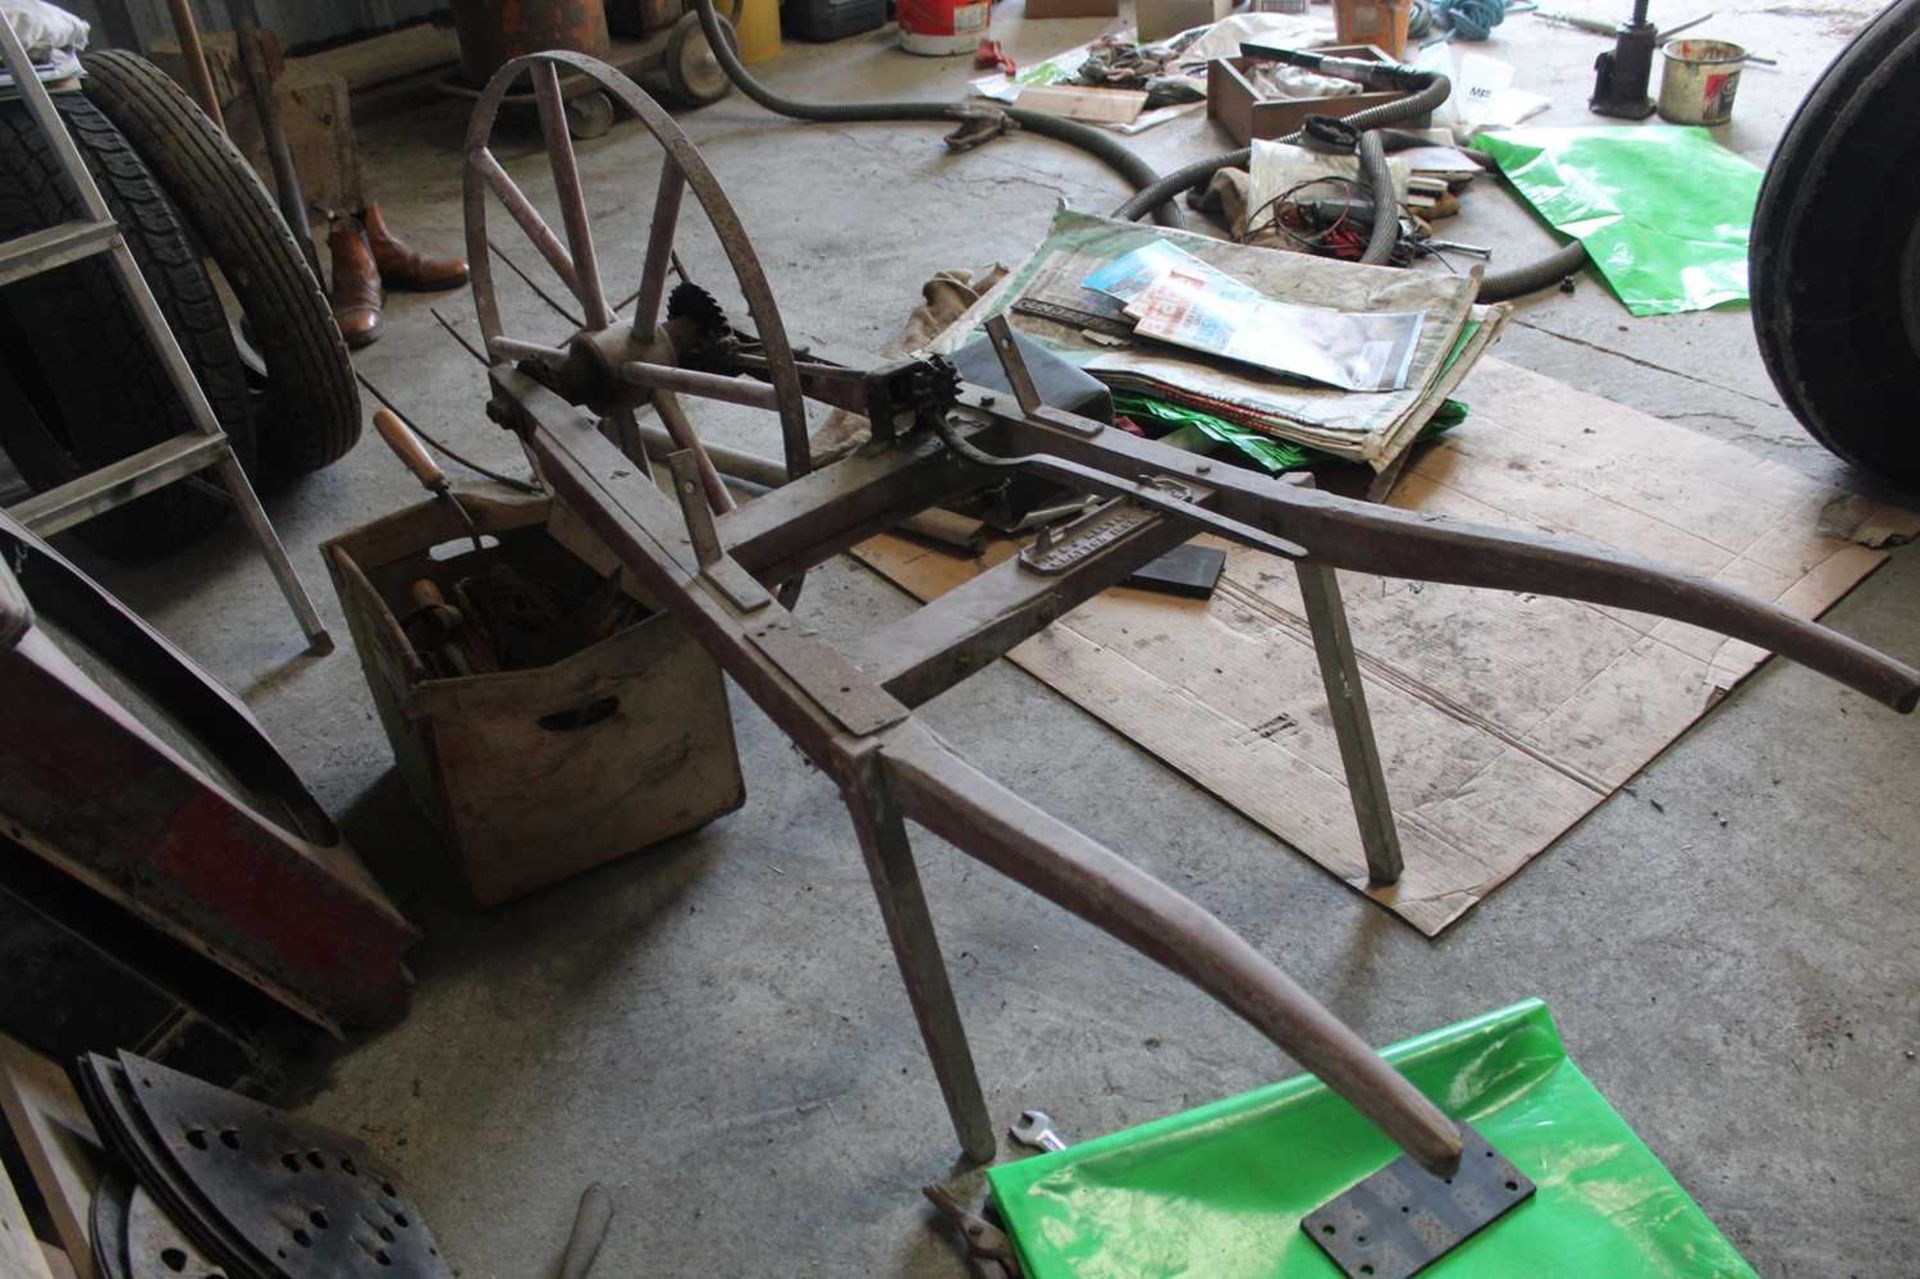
pixel 731 575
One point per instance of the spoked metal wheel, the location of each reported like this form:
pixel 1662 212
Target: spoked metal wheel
pixel 617 363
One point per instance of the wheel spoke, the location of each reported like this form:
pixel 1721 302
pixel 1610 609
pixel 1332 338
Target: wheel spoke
pixel 653 277
pixel 710 386
pixel 573 200
pixel 516 202
pixel 506 348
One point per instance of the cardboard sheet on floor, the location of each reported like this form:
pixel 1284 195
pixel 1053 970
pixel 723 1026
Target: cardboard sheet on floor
pixel 1502 719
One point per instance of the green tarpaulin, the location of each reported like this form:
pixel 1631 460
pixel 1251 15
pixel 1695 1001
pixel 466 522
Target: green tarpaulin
pixel 1664 210
pixel 1218 1192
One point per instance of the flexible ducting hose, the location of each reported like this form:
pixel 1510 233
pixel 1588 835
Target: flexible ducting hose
pixel 1098 143
pixel 1534 276
pixel 1156 193
pixel 1500 287
pixel 1384 237
pixel 1185 178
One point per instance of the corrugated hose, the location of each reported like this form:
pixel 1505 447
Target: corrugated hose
pixel 1156 193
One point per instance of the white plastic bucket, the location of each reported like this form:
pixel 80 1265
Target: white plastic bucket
pixel 942 28
pixel 1699 81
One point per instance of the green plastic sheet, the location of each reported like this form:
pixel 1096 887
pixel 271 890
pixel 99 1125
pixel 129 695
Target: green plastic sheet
pixel 1219 1191
pixel 1664 210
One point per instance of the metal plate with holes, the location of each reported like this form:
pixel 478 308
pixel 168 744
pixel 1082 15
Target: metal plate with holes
pixel 1105 526
pixel 158 1249
pixel 312 1199
pixel 837 684
pixel 109 1100
pixel 1403 1219
pixel 107 1224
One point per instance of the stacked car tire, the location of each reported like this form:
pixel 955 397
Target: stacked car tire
pixel 82 387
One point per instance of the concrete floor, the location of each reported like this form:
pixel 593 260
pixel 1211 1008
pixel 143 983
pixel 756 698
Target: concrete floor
pixel 715 1030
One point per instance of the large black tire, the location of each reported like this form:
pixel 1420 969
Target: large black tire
pixel 312 412
pixel 75 350
pixel 1835 264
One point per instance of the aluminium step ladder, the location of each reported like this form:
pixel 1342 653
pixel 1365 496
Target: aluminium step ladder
pixel 206 445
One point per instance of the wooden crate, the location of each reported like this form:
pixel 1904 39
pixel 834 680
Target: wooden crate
pixel 534 775
pixel 1238 106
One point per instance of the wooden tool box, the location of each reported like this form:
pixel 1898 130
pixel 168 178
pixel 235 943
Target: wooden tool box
pixel 1238 105
pixel 532 775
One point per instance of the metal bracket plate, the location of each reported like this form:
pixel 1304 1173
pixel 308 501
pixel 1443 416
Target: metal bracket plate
pixel 1402 1219
pixel 1107 525
pixel 1074 317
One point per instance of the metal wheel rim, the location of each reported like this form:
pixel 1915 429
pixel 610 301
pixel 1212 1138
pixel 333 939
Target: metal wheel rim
pixel 680 153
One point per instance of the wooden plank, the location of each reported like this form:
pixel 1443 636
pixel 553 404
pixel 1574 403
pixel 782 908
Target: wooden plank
pixel 949 638
pixel 58 1140
pixel 824 512
pixel 21 1255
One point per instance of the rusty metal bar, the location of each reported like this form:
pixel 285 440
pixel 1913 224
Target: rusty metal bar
pixel 660 235
pixel 573 198
pixel 286 179
pixel 187 31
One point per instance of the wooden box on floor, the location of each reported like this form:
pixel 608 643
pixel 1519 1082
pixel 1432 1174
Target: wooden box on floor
pixel 533 775
pixel 1246 114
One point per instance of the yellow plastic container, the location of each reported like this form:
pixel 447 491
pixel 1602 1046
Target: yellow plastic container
pixel 756 24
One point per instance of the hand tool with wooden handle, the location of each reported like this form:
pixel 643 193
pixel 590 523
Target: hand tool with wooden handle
pixel 407 447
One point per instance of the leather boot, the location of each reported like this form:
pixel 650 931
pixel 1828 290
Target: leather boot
pixel 356 294
pixel 404 267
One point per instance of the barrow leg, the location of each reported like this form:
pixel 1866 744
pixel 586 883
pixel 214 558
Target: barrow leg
pixel 903 906
pixel 964 806
pixel 1352 725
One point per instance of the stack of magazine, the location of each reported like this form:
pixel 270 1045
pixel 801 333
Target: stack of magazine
pixel 1352 360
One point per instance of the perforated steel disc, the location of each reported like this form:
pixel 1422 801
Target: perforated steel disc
pixel 313 1201
pixel 109 1100
pixel 158 1249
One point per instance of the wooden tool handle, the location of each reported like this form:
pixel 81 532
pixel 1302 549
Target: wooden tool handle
pixel 589 1232
pixel 407 447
